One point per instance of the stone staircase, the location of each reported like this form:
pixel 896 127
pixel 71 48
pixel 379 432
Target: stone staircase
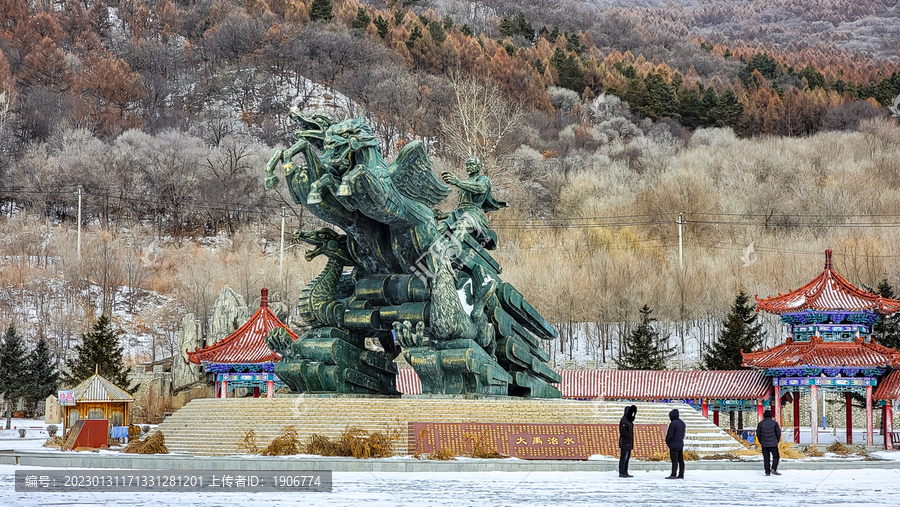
pixel 215 426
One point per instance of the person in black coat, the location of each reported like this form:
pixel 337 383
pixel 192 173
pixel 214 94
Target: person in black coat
pixel 626 439
pixel 769 435
pixel 675 442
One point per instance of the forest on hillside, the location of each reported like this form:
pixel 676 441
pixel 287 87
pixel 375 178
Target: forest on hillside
pixel 770 139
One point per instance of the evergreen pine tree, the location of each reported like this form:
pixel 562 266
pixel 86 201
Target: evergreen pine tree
pixel 320 10
pixel 382 25
pixel 414 35
pixel 644 350
pixel 728 110
pixel 362 19
pixel 887 330
pixel 12 371
pixel 740 331
pixel 41 376
pixel 438 35
pixel 99 351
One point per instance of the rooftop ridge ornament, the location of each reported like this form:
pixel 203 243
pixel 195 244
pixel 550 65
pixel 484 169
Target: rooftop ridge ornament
pixel 829 291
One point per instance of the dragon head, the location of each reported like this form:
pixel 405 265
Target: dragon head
pixel 344 138
pixel 312 128
pixel 325 241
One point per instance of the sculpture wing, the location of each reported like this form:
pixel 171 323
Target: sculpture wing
pixel 412 175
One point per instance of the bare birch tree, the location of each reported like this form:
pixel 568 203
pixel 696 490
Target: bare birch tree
pixel 479 120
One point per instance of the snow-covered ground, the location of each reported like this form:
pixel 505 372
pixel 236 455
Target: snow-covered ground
pixel 874 487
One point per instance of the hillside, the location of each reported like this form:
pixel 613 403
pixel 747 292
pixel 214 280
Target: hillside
pixel 766 127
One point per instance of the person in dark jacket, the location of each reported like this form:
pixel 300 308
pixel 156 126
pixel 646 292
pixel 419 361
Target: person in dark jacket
pixel 769 435
pixel 626 439
pixel 675 442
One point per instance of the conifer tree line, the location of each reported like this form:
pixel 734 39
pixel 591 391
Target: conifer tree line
pixel 31 375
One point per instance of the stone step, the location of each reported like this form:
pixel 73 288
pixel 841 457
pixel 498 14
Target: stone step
pixel 192 429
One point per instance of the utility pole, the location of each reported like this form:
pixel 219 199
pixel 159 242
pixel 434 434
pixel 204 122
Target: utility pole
pixel 680 223
pixel 281 255
pixel 80 192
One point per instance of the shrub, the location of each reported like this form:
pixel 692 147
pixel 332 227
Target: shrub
pixel 355 442
pixel 284 445
pixel 248 442
pixel 153 444
pixel 482 447
pixel 787 451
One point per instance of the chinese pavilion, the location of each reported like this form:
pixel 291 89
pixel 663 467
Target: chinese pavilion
pixel 98 398
pixel 829 347
pixel 242 359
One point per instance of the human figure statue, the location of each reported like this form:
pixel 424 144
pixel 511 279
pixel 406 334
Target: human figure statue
pixel 626 439
pixel 675 442
pixel 475 199
pixel 768 432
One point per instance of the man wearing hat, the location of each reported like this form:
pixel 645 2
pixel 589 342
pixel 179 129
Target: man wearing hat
pixel 769 435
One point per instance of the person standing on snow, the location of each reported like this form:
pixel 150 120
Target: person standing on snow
pixel 675 442
pixel 769 435
pixel 626 439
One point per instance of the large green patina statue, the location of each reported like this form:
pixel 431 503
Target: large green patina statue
pixel 415 281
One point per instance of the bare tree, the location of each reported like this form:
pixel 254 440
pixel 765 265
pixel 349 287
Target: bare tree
pixel 479 120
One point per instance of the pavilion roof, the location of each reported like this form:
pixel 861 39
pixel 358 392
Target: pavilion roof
pixel 643 384
pixel 828 291
pixel 816 353
pixel 97 388
pixel 247 345
pixel 665 384
pixel 889 387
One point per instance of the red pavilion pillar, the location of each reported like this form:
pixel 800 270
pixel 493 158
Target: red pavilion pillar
pixel 224 391
pixel 888 425
pixel 870 438
pixel 705 408
pixel 256 391
pixel 716 417
pixel 813 414
pixel 776 413
pixel 270 389
pixel 797 417
pixel 849 409
pixel 759 410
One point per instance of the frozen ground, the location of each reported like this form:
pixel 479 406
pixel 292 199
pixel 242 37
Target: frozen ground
pixel 700 488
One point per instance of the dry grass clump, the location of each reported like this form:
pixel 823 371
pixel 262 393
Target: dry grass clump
pixel 355 442
pixel 813 452
pixel 248 442
pixel 658 456
pixel 839 449
pixel 748 452
pixel 286 444
pixel 82 448
pixel 482 447
pixel 727 455
pixel 787 450
pixel 665 456
pixel 55 442
pixel 442 455
pixel 153 444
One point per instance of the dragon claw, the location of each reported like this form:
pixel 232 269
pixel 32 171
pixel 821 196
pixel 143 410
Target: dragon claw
pixel 314 198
